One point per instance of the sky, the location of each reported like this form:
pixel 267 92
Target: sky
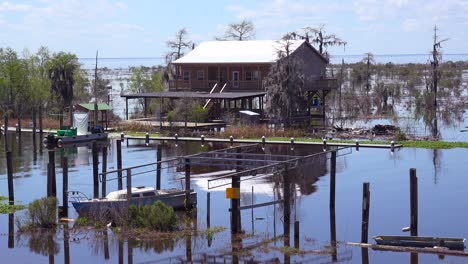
pixel 141 28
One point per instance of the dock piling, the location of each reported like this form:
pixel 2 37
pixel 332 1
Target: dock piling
pixel 208 209
pixel 65 186
pixel 95 171
pixel 119 164
pixel 129 187
pixel 365 212
pixel 413 202
pixel 332 179
pixel 104 171
pixel 188 203
pixel 11 191
pixel 51 181
pixel 296 234
pixel 158 167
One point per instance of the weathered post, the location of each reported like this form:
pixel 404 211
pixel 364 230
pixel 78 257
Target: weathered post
pixel 66 244
pixel 202 140
pixel 51 174
pixel 120 251
pixel 104 171
pixel 208 208
pixel 357 145
pixel 365 212
pixel 332 179
pixel 235 202
pixel 188 204
pixel 147 139
pixel 231 140
pixel 95 171
pixel 324 144
pixel 5 131
pixel 286 208
pixel 106 245
pixel 158 167
pixel 414 202
pixel 292 143
pixel 11 191
pixel 333 234
pixel 129 187
pixel 296 234
pixel 119 164
pixel 65 186
pixel 11 230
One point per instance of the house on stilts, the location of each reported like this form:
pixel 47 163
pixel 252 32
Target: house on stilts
pixel 228 76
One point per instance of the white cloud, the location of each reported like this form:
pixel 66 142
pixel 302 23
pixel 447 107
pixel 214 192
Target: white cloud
pixel 8 7
pixel 410 25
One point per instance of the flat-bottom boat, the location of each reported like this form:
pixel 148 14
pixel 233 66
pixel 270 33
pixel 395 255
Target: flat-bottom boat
pixel 117 200
pixel 418 241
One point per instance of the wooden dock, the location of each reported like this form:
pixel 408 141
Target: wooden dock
pixel 266 141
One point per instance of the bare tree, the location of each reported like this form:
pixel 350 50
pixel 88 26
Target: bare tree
pixel 318 36
pixel 244 30
pixel 177 47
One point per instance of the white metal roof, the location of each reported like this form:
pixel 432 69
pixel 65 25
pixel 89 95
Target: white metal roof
pixel 252 51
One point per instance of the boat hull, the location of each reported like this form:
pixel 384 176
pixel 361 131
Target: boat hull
pixel 176 201
pixel 409 241
pixel 82 138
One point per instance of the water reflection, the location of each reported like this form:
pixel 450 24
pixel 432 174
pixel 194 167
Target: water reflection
pixel 40 241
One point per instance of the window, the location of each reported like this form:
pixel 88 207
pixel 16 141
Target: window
pixel 200 75
pixel 148 194
pixel 186 75
pixel 137 195
pixel 248 75
pixel 256 75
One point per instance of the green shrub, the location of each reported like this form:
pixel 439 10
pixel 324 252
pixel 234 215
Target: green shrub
pixel 81 221
pixel 42 212
pixel 155 217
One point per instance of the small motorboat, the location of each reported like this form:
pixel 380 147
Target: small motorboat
pixel 67 136
pixel 418 241
pixel 140 196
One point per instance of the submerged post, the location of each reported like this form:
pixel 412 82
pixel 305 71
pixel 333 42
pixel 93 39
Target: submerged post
pixel 296 234
pixel 52 183
pixel 208 205
pixel 65 186
pixel 11 191
pixel 95 171
pixel 188 204
pixel 129 187
pixel 286 207
pixel 332 179
pixel 414 202
pixel 365 212
pixel 158 167
pixel 119 164
pixel 104 171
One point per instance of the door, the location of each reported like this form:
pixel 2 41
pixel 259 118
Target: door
pixel 235 79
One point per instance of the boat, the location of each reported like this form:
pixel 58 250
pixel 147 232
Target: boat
pixel 419 241
pixel 66 136
pixel 140 196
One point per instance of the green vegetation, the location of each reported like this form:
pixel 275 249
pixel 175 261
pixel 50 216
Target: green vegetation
pixel 81 221
pixel 41 213
pixel 158 217
pixel 213 230
pixel 6 208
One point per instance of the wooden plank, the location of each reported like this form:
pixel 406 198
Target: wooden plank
pixel 438 251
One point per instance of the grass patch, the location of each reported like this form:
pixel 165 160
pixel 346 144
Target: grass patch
pixel 158 216
pixel 6 208
pixel 41 213
pixel 10 209
pixel 141 134
pixel 213 230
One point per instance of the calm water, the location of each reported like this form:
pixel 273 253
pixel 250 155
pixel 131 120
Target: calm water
pixel 442 205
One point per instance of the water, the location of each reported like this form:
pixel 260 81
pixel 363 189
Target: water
pixel 442 205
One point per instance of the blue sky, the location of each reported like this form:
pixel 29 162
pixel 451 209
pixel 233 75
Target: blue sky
pixel 140 28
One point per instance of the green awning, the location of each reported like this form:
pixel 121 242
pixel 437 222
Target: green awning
pixel 101 107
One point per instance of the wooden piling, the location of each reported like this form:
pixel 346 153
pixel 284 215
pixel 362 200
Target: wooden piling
pixel 65 186
pixel 158 167
pixel 11 191
pixel 49 179
pixel 365 212
pixel 208 208
pixel 129 187
pixel 296 234
pixel 332 179
pixel 188 204
pixel 286 207
pixel 95 171
pixel 119 164
pixel 5 131
pixel 11 230
pixel 104 171
pixel 120 251
pixel 413 202
pixel 52 177
pixel 66 244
